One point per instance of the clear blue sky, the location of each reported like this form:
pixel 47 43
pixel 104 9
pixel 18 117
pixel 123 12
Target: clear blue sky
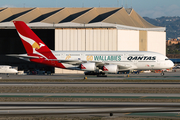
pixel 149 8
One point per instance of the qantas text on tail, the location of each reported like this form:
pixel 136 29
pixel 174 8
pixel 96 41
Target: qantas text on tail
pixel 95 61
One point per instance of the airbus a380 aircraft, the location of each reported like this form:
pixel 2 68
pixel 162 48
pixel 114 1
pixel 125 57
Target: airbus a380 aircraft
pixel 95 61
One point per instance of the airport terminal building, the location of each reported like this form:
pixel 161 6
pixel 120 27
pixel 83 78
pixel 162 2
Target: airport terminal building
pixel 78 29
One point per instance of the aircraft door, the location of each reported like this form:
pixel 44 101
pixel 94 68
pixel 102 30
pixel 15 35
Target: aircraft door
pixel 83 57
pixel 159 62
pixel 62 55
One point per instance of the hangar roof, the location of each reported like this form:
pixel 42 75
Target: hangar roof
pixel 119 18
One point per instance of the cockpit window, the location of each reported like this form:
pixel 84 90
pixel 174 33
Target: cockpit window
pixel 12 67
pixel 166 59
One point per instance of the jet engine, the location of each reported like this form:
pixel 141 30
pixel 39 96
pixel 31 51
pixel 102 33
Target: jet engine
pixel 110 68
pixel 88 66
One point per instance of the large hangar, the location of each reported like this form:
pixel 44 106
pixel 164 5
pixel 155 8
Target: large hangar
pixel 83 29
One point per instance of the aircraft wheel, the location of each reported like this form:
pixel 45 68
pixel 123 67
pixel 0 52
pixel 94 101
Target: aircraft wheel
pixel 162 74
pixel 101 75
pixel 111 114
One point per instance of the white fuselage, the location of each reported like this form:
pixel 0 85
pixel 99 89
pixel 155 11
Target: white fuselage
pixel 129 60
pixel 7 69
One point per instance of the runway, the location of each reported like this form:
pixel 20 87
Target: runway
pixel 83 84
pixel 92 95
pixel 71 87
pixel 39 108
pixel 145 76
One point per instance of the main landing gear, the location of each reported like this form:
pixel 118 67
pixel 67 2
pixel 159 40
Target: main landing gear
pixel 101 74
pixel 162 73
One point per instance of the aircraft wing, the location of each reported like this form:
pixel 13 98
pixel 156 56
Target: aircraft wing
pixel 124 66
pixel 98 63
pixel 72 62
pixel 121 66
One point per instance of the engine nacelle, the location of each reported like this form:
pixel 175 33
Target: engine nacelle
pixel 88 66
pixel 110 68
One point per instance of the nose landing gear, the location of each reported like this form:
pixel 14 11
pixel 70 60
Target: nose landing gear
pixel 162 73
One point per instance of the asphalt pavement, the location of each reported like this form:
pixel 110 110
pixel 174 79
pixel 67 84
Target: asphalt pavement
pixel 89 108
pixel 168 75
pixel 92 95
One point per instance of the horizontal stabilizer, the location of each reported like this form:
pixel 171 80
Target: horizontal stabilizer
pixel 72 62
pixel 22 56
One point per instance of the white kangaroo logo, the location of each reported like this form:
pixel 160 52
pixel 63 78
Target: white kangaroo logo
pixel 34 45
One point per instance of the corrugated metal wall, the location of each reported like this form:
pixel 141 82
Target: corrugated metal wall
pixel 128 40
pixel 81 39
pixel 142 40
pixel 156 42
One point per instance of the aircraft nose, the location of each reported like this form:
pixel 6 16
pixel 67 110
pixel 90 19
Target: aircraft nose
pixel 171 64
